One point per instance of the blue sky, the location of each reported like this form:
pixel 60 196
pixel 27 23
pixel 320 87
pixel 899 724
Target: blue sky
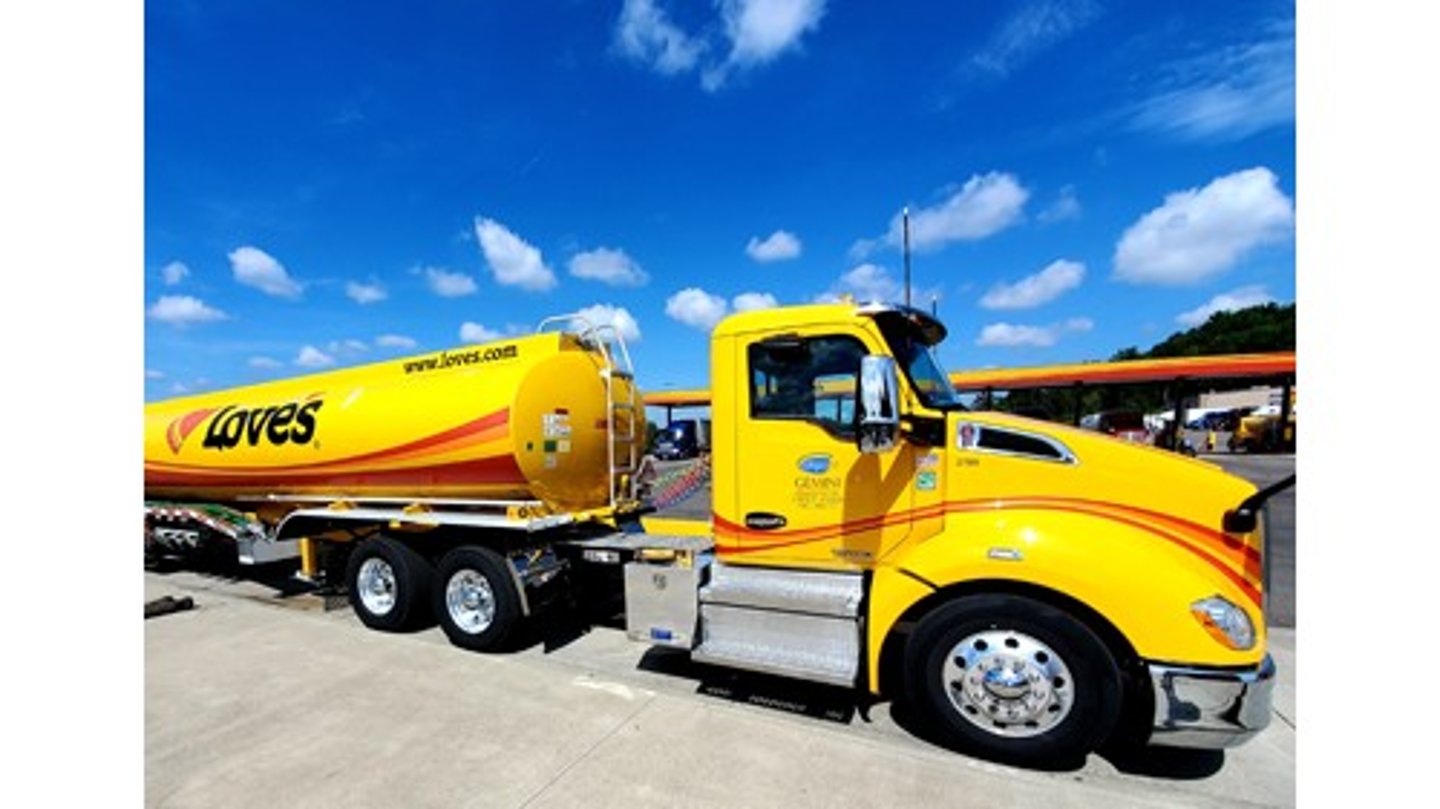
pixel 324 188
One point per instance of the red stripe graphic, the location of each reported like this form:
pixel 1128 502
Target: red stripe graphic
pixel 1249 556
pixel 498 470
pixel 1208 535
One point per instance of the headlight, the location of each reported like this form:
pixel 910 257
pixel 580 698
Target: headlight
pixel 1225 622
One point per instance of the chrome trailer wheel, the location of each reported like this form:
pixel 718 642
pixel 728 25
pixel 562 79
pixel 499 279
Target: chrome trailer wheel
pixel 389 585
pixel 476 600
pixel 375 583
pixel 470 601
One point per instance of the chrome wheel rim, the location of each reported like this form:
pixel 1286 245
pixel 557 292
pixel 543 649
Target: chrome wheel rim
pixel 470 601
pixel 377 585
pixel 1008 683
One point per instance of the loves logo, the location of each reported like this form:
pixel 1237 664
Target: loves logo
pixel 290 423
pixel 181 428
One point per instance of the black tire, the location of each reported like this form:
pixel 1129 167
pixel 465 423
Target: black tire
pixel 1072 715
pixel 399 573
pixel 475 599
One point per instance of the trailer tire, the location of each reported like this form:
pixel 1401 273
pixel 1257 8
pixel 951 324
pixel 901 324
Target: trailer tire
pixel 475 599
pixel 1013 679
pixel 389 585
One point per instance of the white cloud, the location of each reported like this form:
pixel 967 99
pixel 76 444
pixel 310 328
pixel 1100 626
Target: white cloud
pixel 183 310
pixel 778 246
pixel 985 205
pixel 264 363
pixel 603 314
pixel 448 284
pixel 1036 27
pixel 759 32
pixel 645 34
pixel 1201 233
pixel 1008 335
pixel 476 333
pixel 1242 298
pixel 749 33
pixel 174 273
pixel 312 357
pixel 862 248
pixel 696 307
pixel 1038 289
pixel 254 267
pixel 337 347
pixel 1065 206
pixel 151 373
pixel 1227 95
pixel 513 261
pixel 395 341
pixel 869 282
pixel 608 266
pixel 366 293
pixel 751 301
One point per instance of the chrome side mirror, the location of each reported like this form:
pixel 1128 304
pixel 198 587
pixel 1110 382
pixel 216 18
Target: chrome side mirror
pixel 879 425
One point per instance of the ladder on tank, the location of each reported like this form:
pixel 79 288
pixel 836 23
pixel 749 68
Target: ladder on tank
pixel 622 410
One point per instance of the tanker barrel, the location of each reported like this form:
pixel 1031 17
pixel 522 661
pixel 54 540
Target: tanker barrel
pixel 523 419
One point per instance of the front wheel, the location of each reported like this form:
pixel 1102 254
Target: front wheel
pixel 1014 679
pixel 475 599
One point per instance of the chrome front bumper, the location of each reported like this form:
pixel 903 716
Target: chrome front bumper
pixel 1210 708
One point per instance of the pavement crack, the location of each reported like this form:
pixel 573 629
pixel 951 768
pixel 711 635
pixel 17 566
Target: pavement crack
pixel 624 720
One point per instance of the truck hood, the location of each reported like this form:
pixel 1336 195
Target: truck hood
pixel 1095 469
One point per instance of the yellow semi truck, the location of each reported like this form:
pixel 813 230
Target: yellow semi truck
pixel 1022 583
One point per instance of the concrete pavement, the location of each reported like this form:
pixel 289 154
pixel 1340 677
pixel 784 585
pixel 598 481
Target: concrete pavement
pixel 255 698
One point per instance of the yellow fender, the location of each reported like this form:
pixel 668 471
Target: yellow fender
pixel 1139 574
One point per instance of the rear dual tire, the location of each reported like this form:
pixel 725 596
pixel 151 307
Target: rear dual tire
pixel 475 599
pixel 470 592
pixel 389 585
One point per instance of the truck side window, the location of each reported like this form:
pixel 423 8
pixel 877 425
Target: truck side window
pixel 812 380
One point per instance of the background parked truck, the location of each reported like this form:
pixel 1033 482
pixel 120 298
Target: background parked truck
pixel 1023 584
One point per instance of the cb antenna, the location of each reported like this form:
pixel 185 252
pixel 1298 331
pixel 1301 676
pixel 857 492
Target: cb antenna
pixel 905 212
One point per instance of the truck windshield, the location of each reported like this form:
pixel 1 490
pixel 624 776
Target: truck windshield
pixel 928 377
pixel 921 365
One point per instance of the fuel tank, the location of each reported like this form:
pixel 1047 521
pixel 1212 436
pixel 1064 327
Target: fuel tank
pixel 524 418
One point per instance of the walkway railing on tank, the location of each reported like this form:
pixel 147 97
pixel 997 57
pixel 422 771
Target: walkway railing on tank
pixel 621 478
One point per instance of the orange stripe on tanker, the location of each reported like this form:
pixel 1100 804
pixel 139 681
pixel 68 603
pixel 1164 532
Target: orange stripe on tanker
pixel 480 431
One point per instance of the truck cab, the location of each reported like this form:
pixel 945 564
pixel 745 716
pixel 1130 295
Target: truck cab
pixel 1021 581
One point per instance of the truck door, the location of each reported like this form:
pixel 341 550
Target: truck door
pixel 806 495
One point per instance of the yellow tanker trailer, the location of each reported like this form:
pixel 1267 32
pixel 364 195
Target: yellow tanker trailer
pixel 510 437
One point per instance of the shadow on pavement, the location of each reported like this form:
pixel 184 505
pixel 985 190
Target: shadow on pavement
pixel 816 701
pixel 1166 762
pixel 278 576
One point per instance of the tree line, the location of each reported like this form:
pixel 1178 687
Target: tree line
pixel 1258 329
